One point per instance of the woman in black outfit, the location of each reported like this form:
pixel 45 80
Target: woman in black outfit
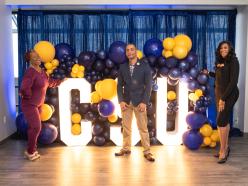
pixel 226 93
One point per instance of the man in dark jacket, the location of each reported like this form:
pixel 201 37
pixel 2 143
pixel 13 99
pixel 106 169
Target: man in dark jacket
pixel 134 90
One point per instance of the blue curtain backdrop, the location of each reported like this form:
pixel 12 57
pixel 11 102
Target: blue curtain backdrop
pixel 94 30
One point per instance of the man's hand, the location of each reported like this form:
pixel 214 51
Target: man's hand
pixel 142 107
pixel 221 105
pixel 123 105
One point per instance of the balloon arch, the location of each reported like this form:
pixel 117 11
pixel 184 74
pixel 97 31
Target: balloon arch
pixel 171 60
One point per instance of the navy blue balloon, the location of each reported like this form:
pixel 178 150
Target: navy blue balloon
pixel 97 129
pixel 64 49
pixel 194 72
pixel 109 63
pixel 163 72
pixel 192 59
pixel 21 125
pixel 192 139
pixel 48 134
pixel 193 85
pixel 184 65
pixel 174 74
pixel 153 47
pixel 106 108
pixel 171 62
pixel 195 120
pixel 117 52
pixel 202 78
pixel 99 140
pixel 86 59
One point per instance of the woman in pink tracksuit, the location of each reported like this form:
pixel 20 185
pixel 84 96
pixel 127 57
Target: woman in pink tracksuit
pixel 33 91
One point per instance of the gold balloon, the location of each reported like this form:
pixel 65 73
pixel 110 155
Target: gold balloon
pixel 46 112
pixel 207 141
pixel 139 54
pixel 76 118
pixel 48 66
pixel 193 97
pixel 97 86
pixel 215 136
pixel 95 97
pixel 198 92
pixel 108 89
pixel 73 75
pixel 76 129
pixel 55 63
pixel 80 74
pixel 171 95
pixel 183 41
pixel 45 50
pixel 206 130
pixel 167 53
pixel 180 52
pixel 168 43
pixel 212 144
pixel 113 118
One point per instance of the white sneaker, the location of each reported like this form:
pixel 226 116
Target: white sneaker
pixel 33 156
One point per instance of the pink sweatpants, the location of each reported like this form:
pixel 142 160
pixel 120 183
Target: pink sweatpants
pixel 32 116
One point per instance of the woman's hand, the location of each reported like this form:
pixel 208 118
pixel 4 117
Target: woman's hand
pixel 221 105
pixel 205 71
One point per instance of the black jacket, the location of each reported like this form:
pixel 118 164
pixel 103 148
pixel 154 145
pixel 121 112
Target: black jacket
pixel 135 89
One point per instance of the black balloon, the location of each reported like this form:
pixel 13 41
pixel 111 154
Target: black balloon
pixel 86 59
pixel 99 65
pixel 99 141
pixel 109 63
pixel 84 108
pixel 152 61
pixel 94 107
pixel 97 129
pixel 101 54
pixel 114 73
pixel 161 62
pixel 163 72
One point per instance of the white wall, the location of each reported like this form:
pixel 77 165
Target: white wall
pixel 7 86
pixel 241 107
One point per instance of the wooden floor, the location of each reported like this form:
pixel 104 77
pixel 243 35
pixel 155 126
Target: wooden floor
pixel 174 165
